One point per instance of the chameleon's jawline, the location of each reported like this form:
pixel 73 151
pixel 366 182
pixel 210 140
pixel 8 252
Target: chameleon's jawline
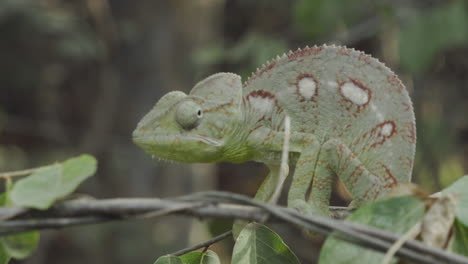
pixel 151 139
pixel 209 141
pixel 180 147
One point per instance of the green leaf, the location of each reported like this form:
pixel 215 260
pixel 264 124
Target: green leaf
pixel 396 215
pixel 460 241
pixel 4 256
pixel 21 245
pixel 17 246
pixel 197 257
pixel 431 32
pixel 257 244
pixel 42 188
pixel 3 199
pixel 460 187
pixel 168 260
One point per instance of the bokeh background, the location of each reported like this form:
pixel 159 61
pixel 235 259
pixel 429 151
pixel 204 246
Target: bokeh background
pixel 76 76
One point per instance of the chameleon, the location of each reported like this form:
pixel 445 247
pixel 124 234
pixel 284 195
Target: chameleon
pixel 351 118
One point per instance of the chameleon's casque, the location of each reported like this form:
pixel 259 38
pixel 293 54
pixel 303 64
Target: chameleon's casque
pixel 350 117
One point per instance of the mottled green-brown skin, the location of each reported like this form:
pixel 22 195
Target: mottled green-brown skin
pixel 350 116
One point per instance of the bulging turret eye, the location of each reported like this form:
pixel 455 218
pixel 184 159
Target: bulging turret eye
pixel 188 114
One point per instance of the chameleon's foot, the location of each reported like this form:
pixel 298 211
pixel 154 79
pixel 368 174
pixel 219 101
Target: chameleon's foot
pixel 356 203
pixel 310 208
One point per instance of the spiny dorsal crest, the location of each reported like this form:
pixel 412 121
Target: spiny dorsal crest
pixel 300 53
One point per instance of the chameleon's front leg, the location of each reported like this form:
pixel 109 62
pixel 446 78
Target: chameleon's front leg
pixel 312 181
pixel 362 184
pixel 265 193
pixel 315 170
pixel 311 174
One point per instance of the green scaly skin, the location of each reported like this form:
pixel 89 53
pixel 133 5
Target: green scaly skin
pixel 350 117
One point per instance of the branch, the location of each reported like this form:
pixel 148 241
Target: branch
pixel 205 244
pixel 214 205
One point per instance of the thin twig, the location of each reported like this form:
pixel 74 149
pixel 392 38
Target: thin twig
pixel 10 174
pixel 320 224
pixel 19 226
pixel 220 205
pixel 284 168
pixel 10 212
pixel 203 245
pixel 411 234
pixel 163 212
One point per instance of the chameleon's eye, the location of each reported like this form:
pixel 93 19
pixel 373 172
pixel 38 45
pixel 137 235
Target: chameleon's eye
pixel 188 114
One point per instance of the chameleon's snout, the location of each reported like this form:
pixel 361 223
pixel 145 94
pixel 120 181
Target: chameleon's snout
pixel 139 138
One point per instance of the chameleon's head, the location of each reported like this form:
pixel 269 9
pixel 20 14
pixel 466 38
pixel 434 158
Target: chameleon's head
pixel 194 127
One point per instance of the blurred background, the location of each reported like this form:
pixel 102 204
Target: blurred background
pixel 76 77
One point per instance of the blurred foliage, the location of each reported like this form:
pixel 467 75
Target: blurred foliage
pixel 450 170
pixel 430 32
pixel 314 18
pixel 435 221
pixel 459 188
pixel 71 36
pixel 460 245
pixel 27 27
pixel 39 190
pixel 18 246
pixel 47 185
pixel 396 215
pixel 253 49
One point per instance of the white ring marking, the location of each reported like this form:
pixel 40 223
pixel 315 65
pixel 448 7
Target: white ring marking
pixel 355 93
pixel 307 87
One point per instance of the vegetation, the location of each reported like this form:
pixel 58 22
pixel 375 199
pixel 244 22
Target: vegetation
pixel 77 75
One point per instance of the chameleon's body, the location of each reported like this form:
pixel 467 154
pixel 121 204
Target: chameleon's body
pixel 350 116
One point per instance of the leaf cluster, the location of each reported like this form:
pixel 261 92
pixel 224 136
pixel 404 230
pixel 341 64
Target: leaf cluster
pixel 40 190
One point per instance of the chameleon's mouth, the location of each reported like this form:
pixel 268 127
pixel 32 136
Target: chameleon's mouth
pixel 173 139
pixel 180 147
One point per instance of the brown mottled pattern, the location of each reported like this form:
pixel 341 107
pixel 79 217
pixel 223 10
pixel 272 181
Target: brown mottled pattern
pixel 331 115
pixel 217 108
pixel 264 118
pixel 377 133
pixel 395 82
pixel 300 53
pixel 263 94
pixel 390 179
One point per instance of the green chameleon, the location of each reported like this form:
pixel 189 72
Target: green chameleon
pixel 350 117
